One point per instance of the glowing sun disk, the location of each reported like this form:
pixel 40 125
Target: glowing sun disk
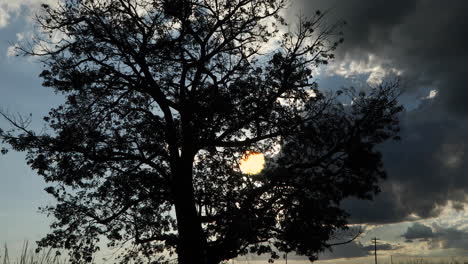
pixel 252 163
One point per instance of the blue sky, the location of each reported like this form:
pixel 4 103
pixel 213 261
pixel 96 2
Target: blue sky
pixel 426 186
pixel 21 190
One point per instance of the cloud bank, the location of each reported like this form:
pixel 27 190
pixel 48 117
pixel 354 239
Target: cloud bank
pixel 424 42
pixel 438 237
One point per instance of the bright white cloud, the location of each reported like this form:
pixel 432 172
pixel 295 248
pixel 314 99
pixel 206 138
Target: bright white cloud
pixel 12 8
pixel 432 94
pixel 11 51
pixel 376 68
pixel 4 17
pixel 9 8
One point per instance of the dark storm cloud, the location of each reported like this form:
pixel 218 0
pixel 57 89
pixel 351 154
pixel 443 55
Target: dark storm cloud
pixel 355 249
pixel 351 250
pixel 418 231
pixel 370 23
pixel 382 247
pixel 426 169
pixel 440 238
pixel 450 238
pixel 426 41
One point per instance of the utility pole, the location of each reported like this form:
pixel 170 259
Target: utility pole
pixel 375 248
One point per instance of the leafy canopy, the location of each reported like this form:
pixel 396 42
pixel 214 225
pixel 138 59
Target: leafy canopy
pixel 162 99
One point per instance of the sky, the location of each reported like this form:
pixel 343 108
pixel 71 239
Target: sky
pixel 421 209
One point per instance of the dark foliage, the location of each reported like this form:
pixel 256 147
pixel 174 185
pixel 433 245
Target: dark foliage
pixel 162 100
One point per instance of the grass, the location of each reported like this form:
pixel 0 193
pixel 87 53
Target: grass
pixel 28 256
pixel 421 260
pixel 426 261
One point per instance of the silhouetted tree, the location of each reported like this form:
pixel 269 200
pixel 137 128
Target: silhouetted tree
pixel 162 100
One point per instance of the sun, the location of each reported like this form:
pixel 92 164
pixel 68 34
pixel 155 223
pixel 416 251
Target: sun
pixel 252 163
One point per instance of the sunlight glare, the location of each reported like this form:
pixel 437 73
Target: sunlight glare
pixel 252 163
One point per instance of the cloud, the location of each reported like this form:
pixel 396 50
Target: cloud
pixel 11 51
pixel 375 70
pixel 426 169
pixel 423 42
pixel 11 8
pixel 418 231
pixel 4 17
pixel 355 250
pixel 440 237
pixel 450 238
pixel 351 250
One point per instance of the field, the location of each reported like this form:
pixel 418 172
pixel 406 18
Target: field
pixel 29 256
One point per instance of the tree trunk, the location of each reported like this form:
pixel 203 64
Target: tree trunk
pixel 191 248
